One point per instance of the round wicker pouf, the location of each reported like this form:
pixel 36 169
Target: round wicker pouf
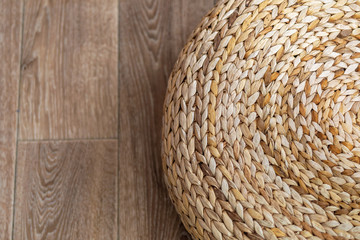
pixel 261 131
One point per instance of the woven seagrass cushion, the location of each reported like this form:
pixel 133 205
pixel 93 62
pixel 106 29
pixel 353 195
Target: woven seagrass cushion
pixel 261 122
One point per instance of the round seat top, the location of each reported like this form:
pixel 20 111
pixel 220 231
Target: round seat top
pixel 261 122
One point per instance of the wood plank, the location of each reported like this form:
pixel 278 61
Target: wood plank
pixel 10 34
pixel 69 86
pixel 151 36
pixel 66 190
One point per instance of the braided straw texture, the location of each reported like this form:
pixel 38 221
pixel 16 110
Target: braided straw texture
pixel 261 122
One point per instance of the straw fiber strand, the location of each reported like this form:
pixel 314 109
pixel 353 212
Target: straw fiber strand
pixel 261 122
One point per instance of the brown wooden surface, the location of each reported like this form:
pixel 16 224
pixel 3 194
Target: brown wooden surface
pixel 69 79
pixel 88 79
pixel 66 190
pixel 10 29
pixel 151 36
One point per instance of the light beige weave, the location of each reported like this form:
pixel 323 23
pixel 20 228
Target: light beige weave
pixel 261 122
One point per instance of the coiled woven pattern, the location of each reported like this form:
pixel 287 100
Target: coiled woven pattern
pixel 261 122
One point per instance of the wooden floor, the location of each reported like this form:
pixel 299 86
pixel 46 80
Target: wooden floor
pixel 81 91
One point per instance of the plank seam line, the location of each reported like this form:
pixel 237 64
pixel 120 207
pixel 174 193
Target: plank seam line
pixel 66 139
pixel 118 129
pixel 18 114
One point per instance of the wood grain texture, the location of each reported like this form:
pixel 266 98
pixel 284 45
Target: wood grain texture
pixel 66 190
pixel 151 36
pixel 10 34
pixel 69 82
